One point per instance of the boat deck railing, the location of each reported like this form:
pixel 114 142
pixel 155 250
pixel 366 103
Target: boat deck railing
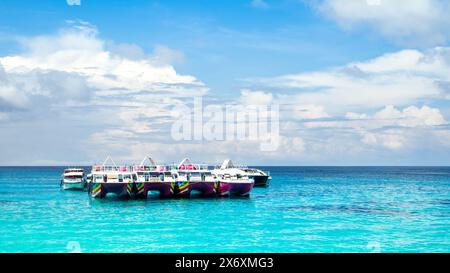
pixel 240 166
pixel 149 168
pixel 99 168
pixel 188 167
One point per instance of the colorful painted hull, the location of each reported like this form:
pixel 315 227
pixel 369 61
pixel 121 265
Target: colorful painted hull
pixel 204 188
pixel 222 188
pixel 169 189
pixel 164 189
pixel 122 190
pixel 234 188
pixel 181 189
pixel 241 189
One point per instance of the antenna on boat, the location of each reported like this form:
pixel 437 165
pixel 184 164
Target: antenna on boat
pixel 110 159
pixel 152 162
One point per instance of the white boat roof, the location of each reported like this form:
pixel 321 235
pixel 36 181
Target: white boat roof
pixel 73 171
pixel 227 164
pixel 108 158
pixel 149 159
pixel 185 161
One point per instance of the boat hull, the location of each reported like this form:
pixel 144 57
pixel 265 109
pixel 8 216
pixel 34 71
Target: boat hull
pixel 241 189
pixel 234 188
pixel 204 188
pixel 121 190
pixel 181 189
pixel 261 180
pixel 164 189
pixel 140 190
pixel 73 185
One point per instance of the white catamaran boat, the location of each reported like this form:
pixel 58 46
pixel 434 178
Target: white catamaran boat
pixel 260 177
pixel 73 179
pixel 199 178
pixel 106 179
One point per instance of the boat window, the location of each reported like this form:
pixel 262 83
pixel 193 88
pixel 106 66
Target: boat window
pixel 73 177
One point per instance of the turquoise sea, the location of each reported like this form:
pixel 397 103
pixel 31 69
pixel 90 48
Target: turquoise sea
pixel 305 209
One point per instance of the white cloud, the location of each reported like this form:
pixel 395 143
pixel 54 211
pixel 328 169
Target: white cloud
pixel 4 116
pixel 116 92
pixel 351 115
pixel 80 51
pixel 401 78
pixel 166 55
pixel 375 107
pixel 73 2
pixel 128 51
pixel 443 137
pixel 389 116
pixel 389 127
pixel 405 21
pixel 295 110
pixel 369 138
pixel 411 116
pixel 295 145
pixel 392 140
pixel 21 90
pixel 309 112
pixel 259 4
pixel 250 97
pixel 75 63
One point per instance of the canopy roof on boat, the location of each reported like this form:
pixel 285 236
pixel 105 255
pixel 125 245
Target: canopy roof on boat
pixel 149 159
pixel 74 170
pixel 185 162
pixel 110 160
pixel 227 164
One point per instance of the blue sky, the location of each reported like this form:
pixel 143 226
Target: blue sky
pixel 357 84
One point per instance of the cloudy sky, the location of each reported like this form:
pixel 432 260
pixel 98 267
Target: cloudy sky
pixel 362 82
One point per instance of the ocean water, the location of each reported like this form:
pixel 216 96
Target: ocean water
pixel 305 209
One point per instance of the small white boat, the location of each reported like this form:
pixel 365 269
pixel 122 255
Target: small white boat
pixel 73 179
pixel 260 178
